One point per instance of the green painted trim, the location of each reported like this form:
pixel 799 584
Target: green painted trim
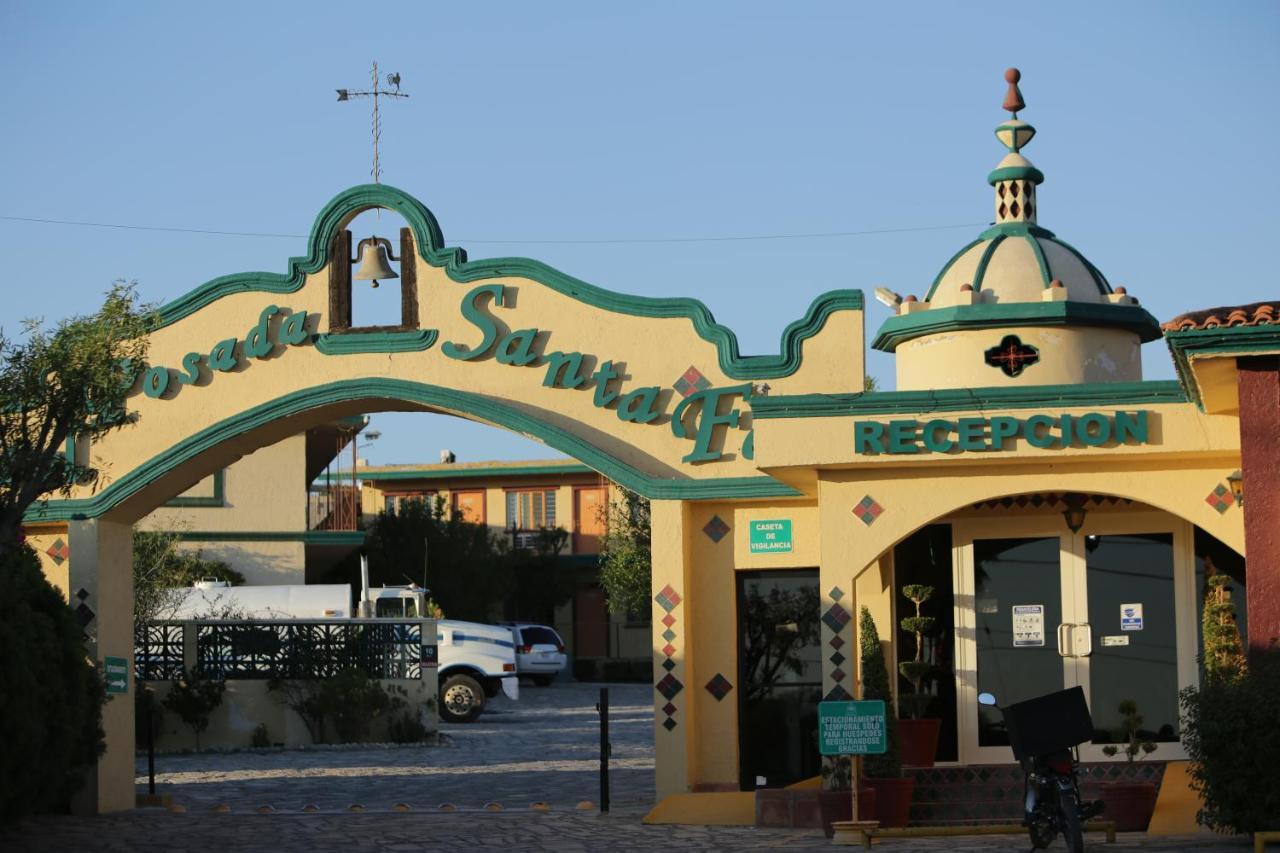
pixel 1046 274
pixel 1220 342
pixel 981 272
pixel 430 241
pixel 900 329
pixel 307 537
pixel 949 264
pixel 470 473
pixel 348 343
pixel 968 399
pixel 218 500
pixel 379 390
pixel 1017 229
pixel 1016 173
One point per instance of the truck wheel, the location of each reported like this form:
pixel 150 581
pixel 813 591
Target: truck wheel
pixel 461 699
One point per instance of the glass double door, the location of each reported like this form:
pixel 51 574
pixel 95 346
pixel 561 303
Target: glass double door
pixel 1109 609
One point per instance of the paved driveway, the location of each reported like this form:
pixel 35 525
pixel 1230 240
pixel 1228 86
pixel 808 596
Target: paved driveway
pixel 545 747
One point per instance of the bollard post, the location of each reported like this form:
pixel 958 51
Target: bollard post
pixel 151 746
pixel 603 708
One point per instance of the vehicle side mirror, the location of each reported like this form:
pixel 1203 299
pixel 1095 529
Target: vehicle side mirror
pixel 986 699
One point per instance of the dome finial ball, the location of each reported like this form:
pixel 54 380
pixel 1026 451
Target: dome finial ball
pixel 1013 98
pixel 1013 75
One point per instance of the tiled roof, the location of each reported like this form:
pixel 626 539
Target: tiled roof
pixel 1256 314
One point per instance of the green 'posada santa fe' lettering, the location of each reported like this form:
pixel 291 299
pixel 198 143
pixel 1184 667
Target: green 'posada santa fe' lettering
pixel 998 433
pixel 226 355
pixel 699 417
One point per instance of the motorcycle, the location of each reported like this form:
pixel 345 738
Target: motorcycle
pixel 1044 733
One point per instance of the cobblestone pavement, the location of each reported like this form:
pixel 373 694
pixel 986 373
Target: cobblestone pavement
pixel 154 830
pixel 545 747
pixel 542 748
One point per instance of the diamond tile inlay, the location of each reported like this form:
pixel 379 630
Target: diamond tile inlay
pixel 668 598
pixel 836 618
pixel 668 620
pixel 668 650
pixel 837 674
pixel 1220 499
pixel 836 642
pixel 668 635
pixel 669 686
pixel 82 593
pixel 85 614
pixel 837 658
pixel 868 510
pixel 837 694
pixel 691 381
pixel 58 551
pixel 716 529
pixel 719 687
pixel 668 664
pixel 668 709
pixel 836 593
pixel 668 724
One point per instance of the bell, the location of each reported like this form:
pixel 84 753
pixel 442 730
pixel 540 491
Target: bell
pixel 374 263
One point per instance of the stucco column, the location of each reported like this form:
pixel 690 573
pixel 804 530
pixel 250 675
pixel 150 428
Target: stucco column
pixel 1259 389
pixel 101 583
pixel 673 718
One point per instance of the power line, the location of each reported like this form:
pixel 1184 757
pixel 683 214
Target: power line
pixel 581 242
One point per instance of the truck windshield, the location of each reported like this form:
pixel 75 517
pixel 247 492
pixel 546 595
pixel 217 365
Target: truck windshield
pixel 396 608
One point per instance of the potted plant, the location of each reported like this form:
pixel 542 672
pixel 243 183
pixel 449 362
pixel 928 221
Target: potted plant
pixel 883 773
pixel 835 800
pixel 1130 802
pixel 919 733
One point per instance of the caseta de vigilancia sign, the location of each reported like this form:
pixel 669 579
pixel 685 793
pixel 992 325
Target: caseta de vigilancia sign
pixel 940 435
pixel 771 536
pixel 851 728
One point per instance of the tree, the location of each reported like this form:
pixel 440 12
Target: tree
pixel 875 685
pixel 161 569
pixel 466 567
pixel 626 564
pixel 69 382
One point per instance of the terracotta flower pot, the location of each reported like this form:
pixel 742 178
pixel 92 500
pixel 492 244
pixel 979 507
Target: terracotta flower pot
pixel 1129 804
pixel 919 741
pixel 893 799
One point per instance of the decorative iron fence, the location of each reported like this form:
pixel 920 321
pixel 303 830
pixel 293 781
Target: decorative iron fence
pixel 293 649
pixel 157 651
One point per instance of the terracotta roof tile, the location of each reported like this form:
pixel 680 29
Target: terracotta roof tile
pixel 1255 314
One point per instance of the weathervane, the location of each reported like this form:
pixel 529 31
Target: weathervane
pixel 393 80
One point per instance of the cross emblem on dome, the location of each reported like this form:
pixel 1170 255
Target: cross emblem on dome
pixel 1012 356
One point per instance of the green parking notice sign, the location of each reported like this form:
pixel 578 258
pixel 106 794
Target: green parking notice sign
pixel 770 536
pixel 851 728
pixel 115 672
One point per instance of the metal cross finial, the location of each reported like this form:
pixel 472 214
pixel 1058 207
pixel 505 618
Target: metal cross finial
pixel 393 80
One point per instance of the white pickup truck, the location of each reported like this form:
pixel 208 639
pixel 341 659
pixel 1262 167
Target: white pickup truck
pixel 476 661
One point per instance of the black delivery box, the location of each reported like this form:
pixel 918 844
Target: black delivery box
pixel 1049 723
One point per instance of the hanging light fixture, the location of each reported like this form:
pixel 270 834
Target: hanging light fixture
pixel 1075 512
pixel 1236 481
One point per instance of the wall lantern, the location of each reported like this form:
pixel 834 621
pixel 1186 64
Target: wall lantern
pixel 1075 511
pixel 1236 481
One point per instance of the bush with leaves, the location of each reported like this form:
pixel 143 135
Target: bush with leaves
pixel 1230 733
pixel 193 698
pixel 875 685
pixel 162 569
pixel 626 564
pixel 50 695
pixel 916 669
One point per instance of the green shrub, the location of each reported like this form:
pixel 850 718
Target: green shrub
pixel 1230 732
pixel 193 699
pixel 261 737
pixel 875 685
pixel 51 697
pixel 352 700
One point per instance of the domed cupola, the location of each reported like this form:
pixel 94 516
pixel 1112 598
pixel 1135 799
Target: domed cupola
pixel 1017 306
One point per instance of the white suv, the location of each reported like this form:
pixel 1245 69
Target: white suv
pixel 539 652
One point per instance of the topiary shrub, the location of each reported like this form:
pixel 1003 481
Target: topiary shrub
pixel 1230 732
pixel 51 697
pixel 875 685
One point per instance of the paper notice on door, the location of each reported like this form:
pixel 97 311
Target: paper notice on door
pixel 1130 617
pixel 1116 640
pixel 988 605
pixel 1028 625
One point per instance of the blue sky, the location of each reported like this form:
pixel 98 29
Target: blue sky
pixel 592 121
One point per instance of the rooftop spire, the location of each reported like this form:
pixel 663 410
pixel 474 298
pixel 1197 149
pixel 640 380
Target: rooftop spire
pixel 1015 179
